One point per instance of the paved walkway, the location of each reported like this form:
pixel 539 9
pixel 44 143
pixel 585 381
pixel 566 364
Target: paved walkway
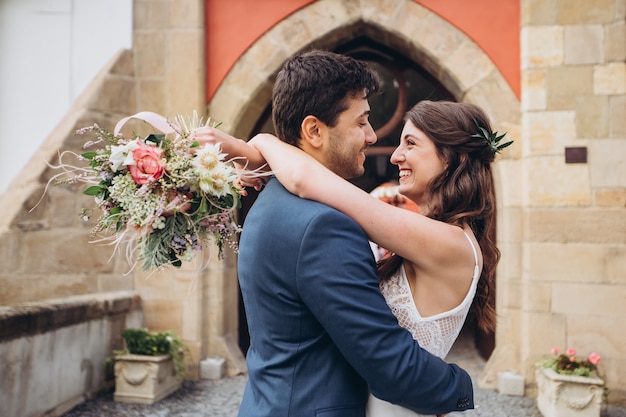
pixel 221 398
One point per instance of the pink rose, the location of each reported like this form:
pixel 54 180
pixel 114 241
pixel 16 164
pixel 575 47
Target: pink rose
pixel 147 164
pixel 594 358
pixel 555 351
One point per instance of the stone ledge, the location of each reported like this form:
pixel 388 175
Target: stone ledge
pixel 27 319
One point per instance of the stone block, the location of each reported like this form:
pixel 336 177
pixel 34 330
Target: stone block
pixel 509 293
pixel 592 116
pixel 150 55
pixel 610 198
pixel 573 12
pixel 54 251
pixel 617 110
pixel 562 262
pixel 611 171
pixel 549 132
pixel 544 331
pixel 539 12
pixel 584 44
pixel 116 94
pixel 615 41
pixel 148 14
pixel 186 14
pixel 599 300
pixel 553 183
pixel 438 47
pixel 188 47
pixel 542 46
pixel 151 94
pixel 571 225
pixel 473 60
pixel 212 368
pixel 569 80
pixel 588 333
pixel 511 383
pixel 537 296
pixel 511 262
pixel 534 95
pixel 610 79
pixel 162 314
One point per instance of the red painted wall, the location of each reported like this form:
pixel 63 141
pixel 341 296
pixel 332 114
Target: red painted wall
pixel 234 25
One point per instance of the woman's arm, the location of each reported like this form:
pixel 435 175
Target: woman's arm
pixel 233 147
pixel 406 233
pixel 253 170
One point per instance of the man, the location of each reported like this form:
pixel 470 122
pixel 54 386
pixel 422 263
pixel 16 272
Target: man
pixel 321 333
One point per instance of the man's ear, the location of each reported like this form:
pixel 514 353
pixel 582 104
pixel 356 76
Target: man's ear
pixel 313 131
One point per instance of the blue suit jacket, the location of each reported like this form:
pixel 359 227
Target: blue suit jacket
pixel 320 330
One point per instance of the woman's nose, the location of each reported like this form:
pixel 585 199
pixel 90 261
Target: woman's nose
pixel 397 156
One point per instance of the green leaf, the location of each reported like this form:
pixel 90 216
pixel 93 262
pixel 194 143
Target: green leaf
pixel 94 190
pixel 155 138
pixel 89 155
pixel 505 145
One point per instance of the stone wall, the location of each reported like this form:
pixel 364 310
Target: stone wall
pixel 52 352
pixel 44 244
pixel 572 283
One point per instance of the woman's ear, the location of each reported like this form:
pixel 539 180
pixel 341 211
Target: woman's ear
pixel 312 131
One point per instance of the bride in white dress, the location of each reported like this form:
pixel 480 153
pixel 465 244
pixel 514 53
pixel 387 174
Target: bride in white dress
pixel 444 257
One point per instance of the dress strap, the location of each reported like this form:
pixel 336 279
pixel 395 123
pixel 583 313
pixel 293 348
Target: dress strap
pixel 476 272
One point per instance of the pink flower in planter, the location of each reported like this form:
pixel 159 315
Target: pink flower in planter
pixel 555 350
pixel 594 358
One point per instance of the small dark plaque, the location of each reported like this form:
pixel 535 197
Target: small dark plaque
pixel 577 155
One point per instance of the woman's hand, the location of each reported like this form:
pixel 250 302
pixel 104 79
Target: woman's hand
pixel 248 160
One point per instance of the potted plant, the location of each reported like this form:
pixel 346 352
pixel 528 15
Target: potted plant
pixel 151 368
pixel 569 386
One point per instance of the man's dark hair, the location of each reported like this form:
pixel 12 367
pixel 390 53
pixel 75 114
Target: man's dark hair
pixel 317 83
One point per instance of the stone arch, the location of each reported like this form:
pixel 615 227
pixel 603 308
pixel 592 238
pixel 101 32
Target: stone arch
pixel 420 35
pixel 436 45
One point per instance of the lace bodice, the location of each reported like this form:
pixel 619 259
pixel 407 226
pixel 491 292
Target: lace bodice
pixel 437 333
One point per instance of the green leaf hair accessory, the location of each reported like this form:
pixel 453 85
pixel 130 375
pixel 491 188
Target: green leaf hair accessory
pixel 493 140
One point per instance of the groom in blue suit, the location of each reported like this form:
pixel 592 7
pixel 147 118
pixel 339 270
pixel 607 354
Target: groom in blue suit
pixel 321 333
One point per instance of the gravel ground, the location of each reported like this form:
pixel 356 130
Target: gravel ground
pixel 221 398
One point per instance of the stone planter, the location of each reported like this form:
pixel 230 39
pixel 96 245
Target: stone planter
pixel 567 395
pixel 144 379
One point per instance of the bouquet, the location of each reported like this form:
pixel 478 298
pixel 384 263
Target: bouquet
pixel 163 195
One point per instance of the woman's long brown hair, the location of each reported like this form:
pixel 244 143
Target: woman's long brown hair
pixel 462 194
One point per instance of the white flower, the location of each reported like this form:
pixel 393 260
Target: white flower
pixel 123 154
pixel 208 158
pixel 218 181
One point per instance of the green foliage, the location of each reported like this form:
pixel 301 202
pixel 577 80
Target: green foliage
pixel 143 342
pixel 493 139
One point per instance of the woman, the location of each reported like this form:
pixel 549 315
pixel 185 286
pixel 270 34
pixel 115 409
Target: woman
pixel 444 258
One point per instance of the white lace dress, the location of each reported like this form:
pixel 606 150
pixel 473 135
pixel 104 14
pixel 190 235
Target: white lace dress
pixel 436 333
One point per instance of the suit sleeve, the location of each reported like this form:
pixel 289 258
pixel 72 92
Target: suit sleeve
pixel 337 280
